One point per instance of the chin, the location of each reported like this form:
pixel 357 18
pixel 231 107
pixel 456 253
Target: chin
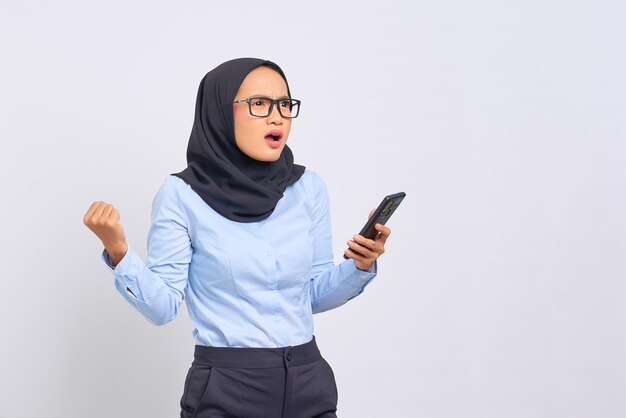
pixel 271 157
pixel 264 155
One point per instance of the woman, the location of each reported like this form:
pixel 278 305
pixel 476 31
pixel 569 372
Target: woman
pixel 244 236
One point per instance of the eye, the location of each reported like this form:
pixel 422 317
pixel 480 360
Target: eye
pixel 285 103
pixel 259 102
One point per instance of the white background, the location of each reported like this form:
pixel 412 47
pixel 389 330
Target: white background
pixel 502 292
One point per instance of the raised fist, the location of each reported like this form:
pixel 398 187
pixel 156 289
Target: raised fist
pixel 104 221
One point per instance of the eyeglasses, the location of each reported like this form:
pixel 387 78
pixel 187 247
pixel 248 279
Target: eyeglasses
pixel 262 106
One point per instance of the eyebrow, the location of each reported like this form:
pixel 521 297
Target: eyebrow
pixel 258 96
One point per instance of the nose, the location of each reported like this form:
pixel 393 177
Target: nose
pixel 275 116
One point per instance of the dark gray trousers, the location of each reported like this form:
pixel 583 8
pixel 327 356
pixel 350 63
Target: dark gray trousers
pixel 287 382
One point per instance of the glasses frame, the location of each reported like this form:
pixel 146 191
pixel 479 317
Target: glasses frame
pixel 274 102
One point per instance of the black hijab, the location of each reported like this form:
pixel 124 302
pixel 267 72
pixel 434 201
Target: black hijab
pixel 236 186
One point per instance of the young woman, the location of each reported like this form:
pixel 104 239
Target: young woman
pixel 244 236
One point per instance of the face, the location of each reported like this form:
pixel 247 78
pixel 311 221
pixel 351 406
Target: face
pixel 251 132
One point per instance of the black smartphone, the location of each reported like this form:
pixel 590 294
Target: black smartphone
pixel 381 215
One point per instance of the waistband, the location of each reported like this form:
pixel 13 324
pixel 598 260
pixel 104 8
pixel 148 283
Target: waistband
pixel 257 358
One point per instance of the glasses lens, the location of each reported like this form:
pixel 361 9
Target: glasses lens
pixel 260 106
pixel 289 108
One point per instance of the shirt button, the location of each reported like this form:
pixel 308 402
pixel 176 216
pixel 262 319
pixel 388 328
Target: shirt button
pixel 272 287
pixel 277 318
pixel 269 253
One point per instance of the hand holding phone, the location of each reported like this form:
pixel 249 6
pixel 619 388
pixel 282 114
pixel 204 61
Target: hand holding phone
pixel 381 215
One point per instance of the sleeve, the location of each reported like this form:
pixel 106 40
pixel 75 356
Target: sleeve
pixel 331 285
pixel 156 288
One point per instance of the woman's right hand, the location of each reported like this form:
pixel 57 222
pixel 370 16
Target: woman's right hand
pixel 104 221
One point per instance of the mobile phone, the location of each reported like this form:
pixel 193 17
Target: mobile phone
pixel 381 215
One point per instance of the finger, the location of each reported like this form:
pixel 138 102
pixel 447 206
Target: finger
pixel 101 214
pixel 355 256
pixel 373 245
pixel 97 211
pixel 383 234
pixel 376 247
pixel 100 211
pixel 94 206
pixel 371 213
pixel 115 213
pixel 367 253
pixel 108 213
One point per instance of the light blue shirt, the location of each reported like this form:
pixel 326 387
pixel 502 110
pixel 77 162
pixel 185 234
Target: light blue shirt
pixel 245 284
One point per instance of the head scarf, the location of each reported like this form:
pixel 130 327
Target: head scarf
pixel 235 185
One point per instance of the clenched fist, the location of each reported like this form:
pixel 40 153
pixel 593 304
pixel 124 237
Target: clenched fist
pixel 104 221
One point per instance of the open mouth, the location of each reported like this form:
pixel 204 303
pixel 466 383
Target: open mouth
pixel 274 136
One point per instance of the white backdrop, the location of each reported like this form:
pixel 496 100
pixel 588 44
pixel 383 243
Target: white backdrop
pixel 502 290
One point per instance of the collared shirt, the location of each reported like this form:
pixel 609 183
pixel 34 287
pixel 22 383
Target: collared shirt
pixel 245 284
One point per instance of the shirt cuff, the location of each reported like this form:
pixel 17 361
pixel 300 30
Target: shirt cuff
pixel 355 277
pixel 126 271
pixel 121 266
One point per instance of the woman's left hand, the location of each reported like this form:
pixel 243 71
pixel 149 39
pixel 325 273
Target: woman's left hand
pixel 368 249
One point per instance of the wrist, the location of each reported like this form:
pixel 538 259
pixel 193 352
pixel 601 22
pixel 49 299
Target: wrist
pixel 362 267
pixel 117 253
